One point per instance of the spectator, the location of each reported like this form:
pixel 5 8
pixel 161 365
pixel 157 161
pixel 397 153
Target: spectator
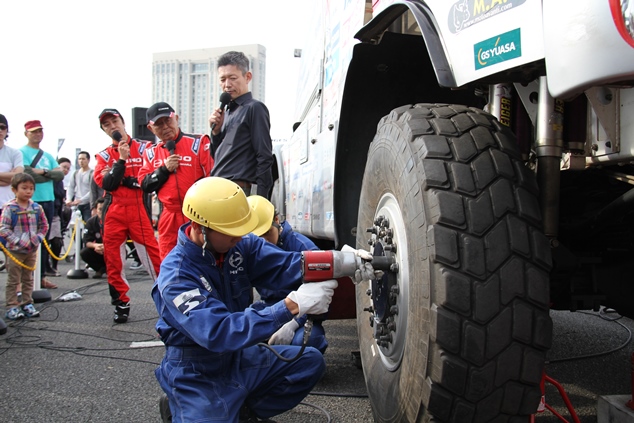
pixel 170 167
pixel 242 146
pixel 23 225
pixel 79 188
pixel 124 213
pixel 269 228
pixel 56 232
pixel 96 192
pixel 92 253
pixel 44 170
pixel 11 163
pixel 210 333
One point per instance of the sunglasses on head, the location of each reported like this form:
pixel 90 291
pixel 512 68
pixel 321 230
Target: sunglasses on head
pixel 2 127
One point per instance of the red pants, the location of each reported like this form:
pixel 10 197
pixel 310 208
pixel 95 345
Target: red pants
pixel 127 218
pixel 171 219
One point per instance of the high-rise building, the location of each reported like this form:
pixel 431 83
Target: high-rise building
pixel 188 81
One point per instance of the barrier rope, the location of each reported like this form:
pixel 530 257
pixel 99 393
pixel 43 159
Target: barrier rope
pixel 12 257
pixel 72 238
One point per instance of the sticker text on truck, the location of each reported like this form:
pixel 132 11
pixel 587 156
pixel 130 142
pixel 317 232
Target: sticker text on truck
pixel 465 13
pixel 497 49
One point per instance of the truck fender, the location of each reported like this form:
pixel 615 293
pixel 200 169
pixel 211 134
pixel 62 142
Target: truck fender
pixel 426 21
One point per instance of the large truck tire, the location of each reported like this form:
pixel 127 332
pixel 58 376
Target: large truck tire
pixel 459 329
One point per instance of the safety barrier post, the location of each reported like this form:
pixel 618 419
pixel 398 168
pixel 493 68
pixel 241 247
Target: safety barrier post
pixel 39 295
pixel 78 272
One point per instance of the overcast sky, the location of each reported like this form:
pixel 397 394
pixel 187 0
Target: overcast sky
pixel 64 61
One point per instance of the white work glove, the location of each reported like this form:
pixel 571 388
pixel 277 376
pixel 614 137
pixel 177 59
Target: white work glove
pixel 364 271
pixel 365 255
pixel 285 334
pixel 314 297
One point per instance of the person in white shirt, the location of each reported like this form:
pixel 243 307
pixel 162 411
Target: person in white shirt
pixel 11 163
pixel 79 187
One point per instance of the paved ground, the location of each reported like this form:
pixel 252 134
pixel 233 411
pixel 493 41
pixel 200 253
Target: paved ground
pixel 74 365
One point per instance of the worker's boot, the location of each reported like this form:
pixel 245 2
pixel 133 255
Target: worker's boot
pixel 248 416
pixel 164 408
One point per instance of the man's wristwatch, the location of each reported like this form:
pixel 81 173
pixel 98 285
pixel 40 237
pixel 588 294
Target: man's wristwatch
pixel 45 172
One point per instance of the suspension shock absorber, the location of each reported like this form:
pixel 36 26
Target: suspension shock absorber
pixel 499 103
pixel 549 147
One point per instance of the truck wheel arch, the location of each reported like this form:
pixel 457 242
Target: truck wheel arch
pixel 381 77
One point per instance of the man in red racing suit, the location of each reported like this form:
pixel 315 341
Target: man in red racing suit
pixel 170 167
pixel 124 213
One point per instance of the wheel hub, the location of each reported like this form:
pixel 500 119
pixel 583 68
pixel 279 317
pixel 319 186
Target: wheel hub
pixel 389 294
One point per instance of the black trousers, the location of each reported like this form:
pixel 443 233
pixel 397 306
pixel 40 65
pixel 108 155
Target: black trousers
pixel 93 259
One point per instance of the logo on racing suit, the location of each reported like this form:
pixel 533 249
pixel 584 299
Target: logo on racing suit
pixel 142 146
pixel 465 13
pixel 189 300
pixel 105 155
pixel 150 153
pixel 498 49
pixel 196 145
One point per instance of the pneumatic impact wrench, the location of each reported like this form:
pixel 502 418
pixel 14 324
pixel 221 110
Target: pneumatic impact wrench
pixel 319 266
pixel 323 265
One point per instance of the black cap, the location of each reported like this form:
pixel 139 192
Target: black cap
pixel 159 110
pixel 113 112
pixel 4 120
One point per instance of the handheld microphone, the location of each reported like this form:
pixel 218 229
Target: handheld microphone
pixel 116 135
pixel 171 146
pixel 225 98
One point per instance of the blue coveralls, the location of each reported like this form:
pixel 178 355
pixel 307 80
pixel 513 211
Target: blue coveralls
pixel 295 242
pixel 212 365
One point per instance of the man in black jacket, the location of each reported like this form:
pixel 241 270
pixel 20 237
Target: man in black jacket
pixel 241 145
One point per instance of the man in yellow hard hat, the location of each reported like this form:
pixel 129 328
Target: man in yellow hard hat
pixel 215 363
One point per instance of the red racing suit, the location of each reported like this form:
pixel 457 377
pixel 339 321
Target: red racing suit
pixel 195 162
pixel 125 215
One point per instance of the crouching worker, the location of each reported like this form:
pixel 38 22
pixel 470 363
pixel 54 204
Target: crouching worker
pixel 213 366
pixel 281 234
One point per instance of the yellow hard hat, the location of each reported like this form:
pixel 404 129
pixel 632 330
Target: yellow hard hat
pixel 221 205
pixel 265 211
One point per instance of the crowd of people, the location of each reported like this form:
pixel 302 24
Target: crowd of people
pixel 218 237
